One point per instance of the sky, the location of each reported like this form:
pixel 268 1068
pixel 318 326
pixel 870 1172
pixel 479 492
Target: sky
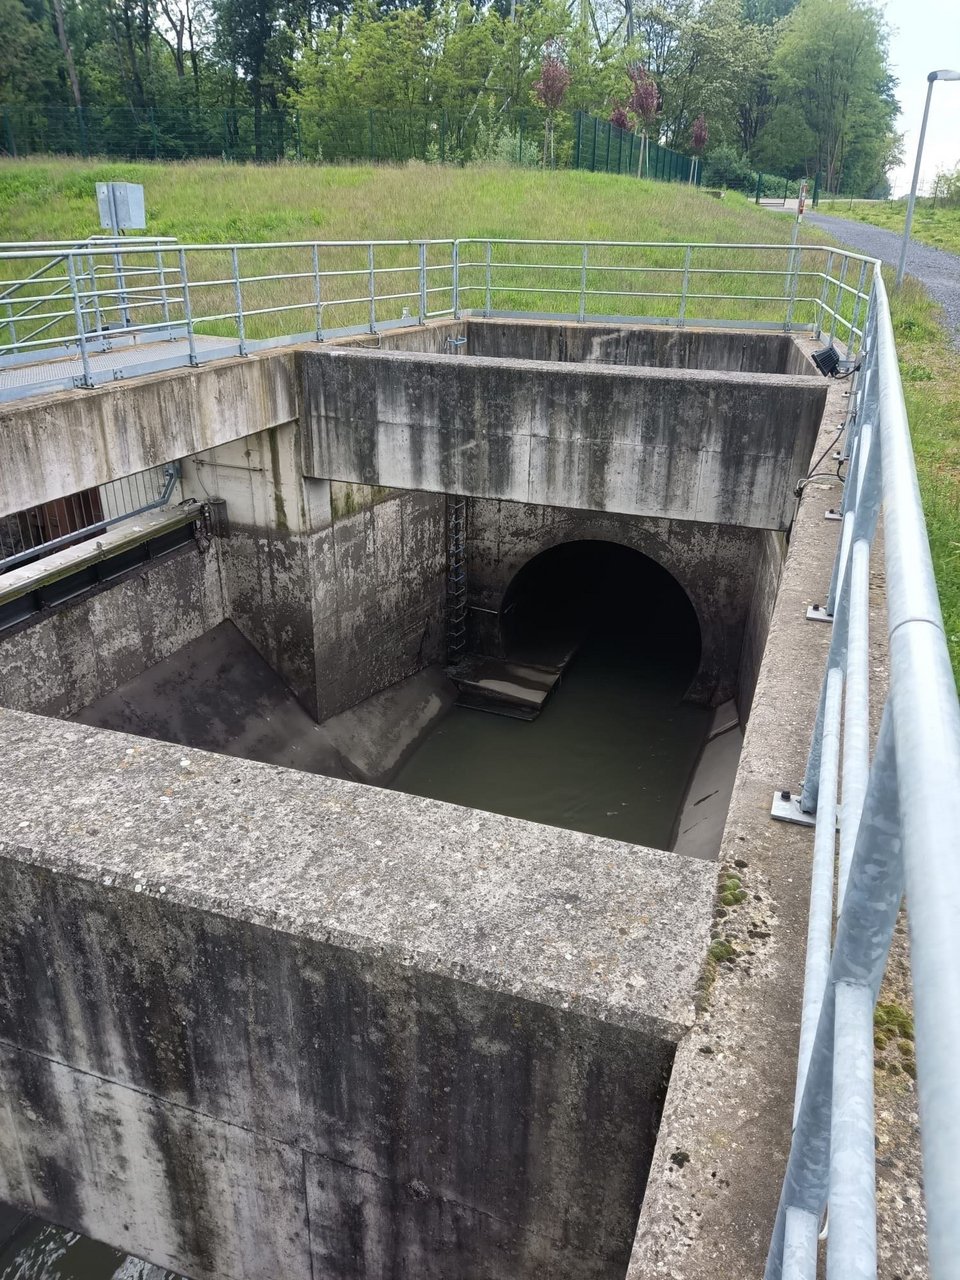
pixel 925 37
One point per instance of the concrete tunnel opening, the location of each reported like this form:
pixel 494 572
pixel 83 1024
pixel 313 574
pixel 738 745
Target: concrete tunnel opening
pixel 612 748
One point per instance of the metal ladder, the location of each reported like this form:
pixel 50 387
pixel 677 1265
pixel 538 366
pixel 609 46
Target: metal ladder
pixel 456 578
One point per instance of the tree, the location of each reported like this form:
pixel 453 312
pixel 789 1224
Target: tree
pixel 550 91
pixel 644 103
pixel 252 38
pixel 831 75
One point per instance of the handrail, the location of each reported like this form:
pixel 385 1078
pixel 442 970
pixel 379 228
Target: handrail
pixel 899 817
pixel 129 291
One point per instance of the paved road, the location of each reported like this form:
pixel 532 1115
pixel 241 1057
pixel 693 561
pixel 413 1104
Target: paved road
pixel 937 270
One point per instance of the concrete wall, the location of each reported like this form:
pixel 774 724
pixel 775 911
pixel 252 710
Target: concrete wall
pixel 715 565
pixel 663 347
pixel 725 448
pixel 256 1023
pixel 772 552
pixel 339 587
pixel 56 445
pixel 83 649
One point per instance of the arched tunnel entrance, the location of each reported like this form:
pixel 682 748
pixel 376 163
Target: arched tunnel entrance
pixel 614 748
pixel 594 594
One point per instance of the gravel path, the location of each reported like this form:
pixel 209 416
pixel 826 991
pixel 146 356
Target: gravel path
pixel 937 270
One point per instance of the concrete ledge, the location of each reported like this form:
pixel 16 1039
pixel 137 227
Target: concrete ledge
pixel 55 445
pixel 725 1133
pixel 724 448
pixel 256 1022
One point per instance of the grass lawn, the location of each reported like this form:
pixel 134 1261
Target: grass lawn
pixel 212 202
pixel 938 226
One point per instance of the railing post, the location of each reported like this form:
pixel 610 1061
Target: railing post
pixel 455 263
pixel 856 310
pixel 78 316
pixel 187 311
pixel 823 294
pixel 838 299
pixel 318 292
pixel 794 270
pixel 685 286
pixel 238 297
pixel 161 272
pixel 372 282
pixel 422 279
pixel 582 304
pixel 488 292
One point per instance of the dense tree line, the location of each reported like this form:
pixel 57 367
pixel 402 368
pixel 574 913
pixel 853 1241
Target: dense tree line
pixel 789 86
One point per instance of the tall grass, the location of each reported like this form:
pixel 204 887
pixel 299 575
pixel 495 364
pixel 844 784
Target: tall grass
pixel 937 225
pixel 210 203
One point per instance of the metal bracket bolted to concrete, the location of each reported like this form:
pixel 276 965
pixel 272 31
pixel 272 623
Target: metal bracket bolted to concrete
pixel 818 613
pixel 786 808
pixel 833 514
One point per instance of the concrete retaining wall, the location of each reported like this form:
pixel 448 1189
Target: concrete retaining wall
pixel 57 445
pixel 715 565
pixel 339 587
pixel 664 348
pixel 64 660
pixel 259 1023
pixel 725 448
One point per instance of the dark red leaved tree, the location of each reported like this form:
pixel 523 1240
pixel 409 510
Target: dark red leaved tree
pixel 550 91
pixel 644 102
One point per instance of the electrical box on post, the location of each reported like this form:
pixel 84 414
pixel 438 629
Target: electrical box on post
pixel 121 206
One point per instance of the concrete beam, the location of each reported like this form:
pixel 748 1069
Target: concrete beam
pixel 724 448
pixel 55 445
pixel 255 1022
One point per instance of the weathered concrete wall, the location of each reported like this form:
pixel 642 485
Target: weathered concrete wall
pixel 339 587
pixel 769 565
pixel 258 1023
pixel 83 649
pixel 665 348
pixel 725 448
pixel 715 565
pixel 56 445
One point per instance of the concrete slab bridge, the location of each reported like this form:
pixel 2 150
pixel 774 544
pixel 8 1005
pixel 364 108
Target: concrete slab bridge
pixel 267 513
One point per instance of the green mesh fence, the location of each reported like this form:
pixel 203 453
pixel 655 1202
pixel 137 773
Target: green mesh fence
pixel 602 147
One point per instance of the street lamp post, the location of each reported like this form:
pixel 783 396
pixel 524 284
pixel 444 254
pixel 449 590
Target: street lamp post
pixel 934 75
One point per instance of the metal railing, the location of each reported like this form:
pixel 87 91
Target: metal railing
pixel 29 535
pixel 107 309
pixel 896 827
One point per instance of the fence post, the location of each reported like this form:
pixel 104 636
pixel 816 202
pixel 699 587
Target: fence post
pixel 318 297
pixel 523 118
pixel 372 279
pixel 8 133
pixel 87 380
pixel 443 135
pixel 238 298
pixel 759 187
pixel 593 159
pixel 606 159
pixel 576 152
pixel 815 198
pixel 686 285
pixel 372 146
pixel 422 277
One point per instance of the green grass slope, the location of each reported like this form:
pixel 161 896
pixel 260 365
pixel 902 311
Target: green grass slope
pixel 213 202
pixel 938 226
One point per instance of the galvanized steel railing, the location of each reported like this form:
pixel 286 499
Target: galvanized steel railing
pixel 103 310
pixel 897 827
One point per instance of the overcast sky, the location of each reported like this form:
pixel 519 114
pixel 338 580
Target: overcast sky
pixel 925 37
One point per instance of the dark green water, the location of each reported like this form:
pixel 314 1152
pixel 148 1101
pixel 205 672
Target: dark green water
pixel 611 753
pixel 42 1252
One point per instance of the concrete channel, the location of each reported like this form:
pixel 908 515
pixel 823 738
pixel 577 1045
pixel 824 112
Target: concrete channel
pixel 263 1011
